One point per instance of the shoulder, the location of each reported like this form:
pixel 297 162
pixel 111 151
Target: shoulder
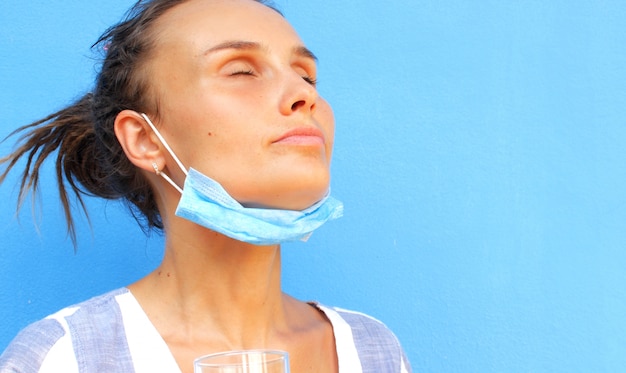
pixel 57 342
pixel 378 348
pixel 99 313
pixel 30 348
pixel 366 328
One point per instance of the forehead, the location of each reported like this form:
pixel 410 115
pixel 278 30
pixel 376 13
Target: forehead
pixel 203 23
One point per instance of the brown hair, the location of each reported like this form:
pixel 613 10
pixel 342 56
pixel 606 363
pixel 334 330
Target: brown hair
pixel 89 156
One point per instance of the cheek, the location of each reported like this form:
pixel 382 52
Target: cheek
pixel 326 120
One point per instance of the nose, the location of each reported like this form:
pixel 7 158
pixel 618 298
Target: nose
pixel 299 95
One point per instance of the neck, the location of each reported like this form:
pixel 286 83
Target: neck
pixel 210 282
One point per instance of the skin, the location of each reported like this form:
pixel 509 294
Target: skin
pixel 232 77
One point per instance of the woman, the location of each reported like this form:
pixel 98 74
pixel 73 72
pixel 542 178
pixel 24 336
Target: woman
pixel 191 89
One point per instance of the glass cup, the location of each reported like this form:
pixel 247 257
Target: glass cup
pixel 246 361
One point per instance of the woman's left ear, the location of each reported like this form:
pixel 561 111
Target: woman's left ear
pixel 140 144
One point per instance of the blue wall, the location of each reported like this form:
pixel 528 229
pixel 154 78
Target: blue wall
pixel 480 154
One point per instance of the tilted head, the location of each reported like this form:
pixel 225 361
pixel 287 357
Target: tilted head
pixel 149 67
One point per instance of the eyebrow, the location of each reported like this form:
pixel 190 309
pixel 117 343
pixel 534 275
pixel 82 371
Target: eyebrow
pixel 301 50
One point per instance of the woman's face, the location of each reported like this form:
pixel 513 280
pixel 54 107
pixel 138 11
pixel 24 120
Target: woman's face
pixel 237 101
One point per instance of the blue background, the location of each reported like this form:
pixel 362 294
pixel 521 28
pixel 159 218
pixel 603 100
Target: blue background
pixel 480 154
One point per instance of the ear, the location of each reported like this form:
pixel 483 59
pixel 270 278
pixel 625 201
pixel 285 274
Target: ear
pixel 140 144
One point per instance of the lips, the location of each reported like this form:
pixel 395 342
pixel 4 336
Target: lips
pixel 302 136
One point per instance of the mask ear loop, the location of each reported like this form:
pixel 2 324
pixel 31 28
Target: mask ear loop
pixel 167 147
pixel 167 178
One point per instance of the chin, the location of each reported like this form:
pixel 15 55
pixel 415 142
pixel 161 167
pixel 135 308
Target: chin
pixel 295 196
pixel 294 205
pixel 304 198
pixel 295 190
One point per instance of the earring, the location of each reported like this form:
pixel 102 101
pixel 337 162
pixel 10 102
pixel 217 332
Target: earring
pixel 156 168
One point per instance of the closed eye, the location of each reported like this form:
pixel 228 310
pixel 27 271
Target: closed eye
pixel 312 81
pixel 243 72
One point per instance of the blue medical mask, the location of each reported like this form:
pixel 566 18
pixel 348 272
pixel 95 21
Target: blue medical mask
pixel 205 202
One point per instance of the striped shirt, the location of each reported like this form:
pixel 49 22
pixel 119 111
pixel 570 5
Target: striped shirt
pixel 111 333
